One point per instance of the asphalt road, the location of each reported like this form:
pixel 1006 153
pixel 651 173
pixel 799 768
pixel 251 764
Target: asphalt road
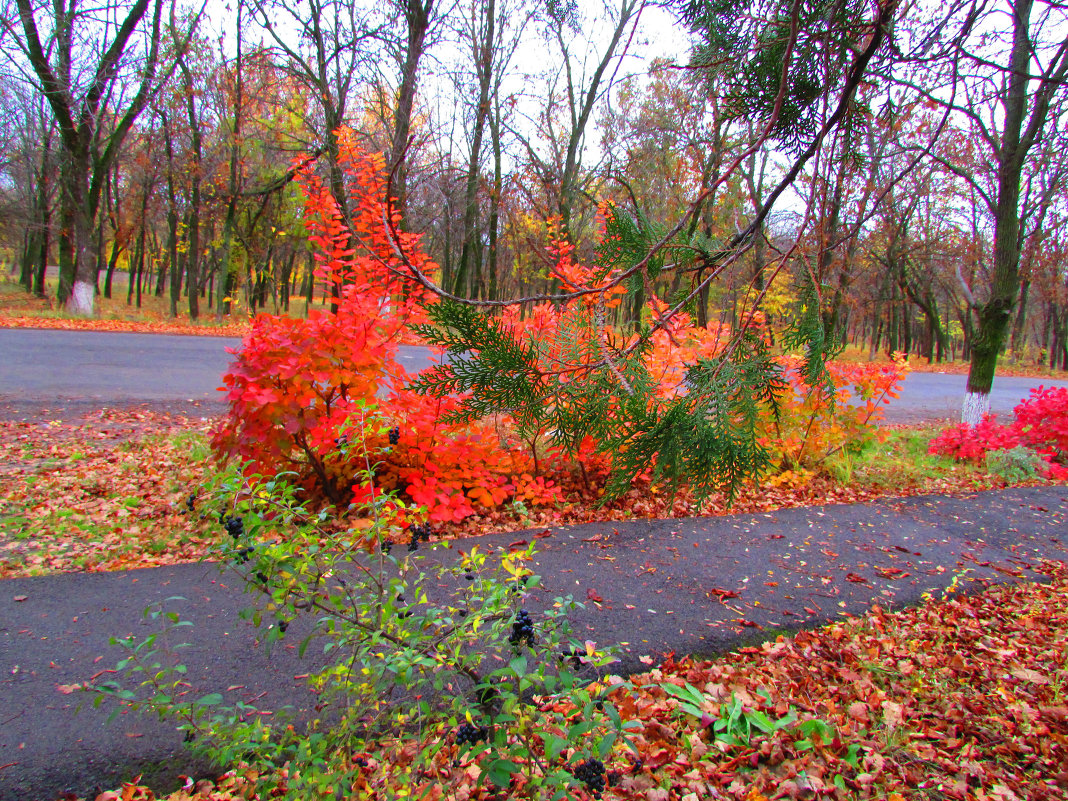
pixel 105 368
pixel 77 369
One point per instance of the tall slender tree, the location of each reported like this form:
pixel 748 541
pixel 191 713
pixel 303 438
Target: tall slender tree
pixel 1005 73
pixel 97 66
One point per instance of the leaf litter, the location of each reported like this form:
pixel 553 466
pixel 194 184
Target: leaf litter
pixel 960 698
pixel 109 492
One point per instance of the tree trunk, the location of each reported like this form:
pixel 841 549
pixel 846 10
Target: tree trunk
pixel 992 317
pixel 417 14
pixel 1018 341
pixel 226 271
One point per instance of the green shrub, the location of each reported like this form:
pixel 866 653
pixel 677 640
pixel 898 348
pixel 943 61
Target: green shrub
pixel 1015 464
pixel 465 672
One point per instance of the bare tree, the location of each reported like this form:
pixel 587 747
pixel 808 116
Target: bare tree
pixel 97 66
pixel 490 33
pixel 575 89
pixel 408 49
pixel 1004 73
pixel 28 162
pixel 323 46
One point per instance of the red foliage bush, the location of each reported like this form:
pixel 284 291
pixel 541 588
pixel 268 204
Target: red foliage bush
pixel 1040 422
pixel 296 385
pixel 967 443
pixel 454 470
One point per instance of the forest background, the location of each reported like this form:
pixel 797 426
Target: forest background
pixel 894 171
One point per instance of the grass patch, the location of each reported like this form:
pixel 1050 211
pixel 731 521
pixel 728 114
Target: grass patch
pixel 899 462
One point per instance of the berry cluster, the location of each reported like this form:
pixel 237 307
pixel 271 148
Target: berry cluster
pixel 394 435
pixel 234 526
pixel 522 629
pixel 191 502
pixel 469 733
pixel 572 655
pixel 591 773
pixel 419 532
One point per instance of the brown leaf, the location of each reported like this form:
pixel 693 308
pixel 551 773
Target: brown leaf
pixel 892 713
pixel 858 710
pixel 1033 676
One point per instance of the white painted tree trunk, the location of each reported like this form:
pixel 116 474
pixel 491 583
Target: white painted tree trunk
pixel 976 405
pixel 82 299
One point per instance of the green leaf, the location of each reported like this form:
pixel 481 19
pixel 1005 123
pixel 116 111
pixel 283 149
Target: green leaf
pixel 500 772
pixel 518 665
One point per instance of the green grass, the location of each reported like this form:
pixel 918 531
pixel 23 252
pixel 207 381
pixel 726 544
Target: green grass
pixel 900 461
pixel 195 443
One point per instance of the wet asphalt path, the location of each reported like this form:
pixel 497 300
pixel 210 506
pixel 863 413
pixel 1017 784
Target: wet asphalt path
pixel 89 369
pixel 696 586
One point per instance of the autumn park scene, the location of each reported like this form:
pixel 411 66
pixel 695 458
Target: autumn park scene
pixel 534 399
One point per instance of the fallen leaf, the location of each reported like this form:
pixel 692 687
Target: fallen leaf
pixel 892 713
pixel 858 710
pixel 1033 676
pixel 722 594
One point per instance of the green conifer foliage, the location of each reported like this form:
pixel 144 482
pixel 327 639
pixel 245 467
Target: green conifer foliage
pixel 587 380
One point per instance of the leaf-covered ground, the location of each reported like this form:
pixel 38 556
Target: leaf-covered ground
pixel 19 309
pixel 104 493
pixel 962 698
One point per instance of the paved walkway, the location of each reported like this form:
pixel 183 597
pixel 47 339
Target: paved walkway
pixel 699 586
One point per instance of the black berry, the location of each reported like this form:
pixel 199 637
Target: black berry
pixel 394 435
pixel 522 629
pixel 421 532
pixel 591 773
pixel 235 526
pixel 469 733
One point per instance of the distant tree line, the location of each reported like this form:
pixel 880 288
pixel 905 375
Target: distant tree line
pixel 907 168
